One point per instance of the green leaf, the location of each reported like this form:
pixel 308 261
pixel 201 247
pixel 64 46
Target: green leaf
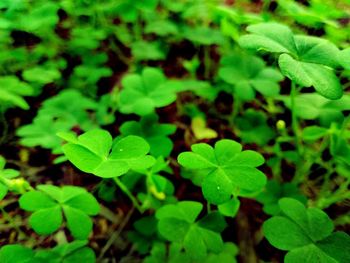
pixel 344 58
pixel 226 169
pixel 92 153
pixel 306 233
pixel 51 201
pixel 16 253
pixel 308 61
pixel 78 222
pixel 85 202
pixel 46 221
pixel 153 132
pixel 272 37
pixel 12 90
pixel 141 94
pixel 34 200
pixel 274 191
pixel 304 74
pixel 248 74
pixel 313 133
pixel 177 223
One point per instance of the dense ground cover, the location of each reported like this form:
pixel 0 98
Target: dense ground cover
pixel 174 131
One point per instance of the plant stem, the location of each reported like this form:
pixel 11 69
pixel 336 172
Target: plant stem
pixel 207 62
pixel 128 193
pixel 295 126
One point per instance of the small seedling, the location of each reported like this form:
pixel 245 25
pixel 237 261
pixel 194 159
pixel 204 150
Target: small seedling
pixel 49 203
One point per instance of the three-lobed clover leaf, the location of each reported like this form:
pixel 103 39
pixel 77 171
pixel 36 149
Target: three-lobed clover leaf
pixel 307 234
pixel 178 224
pixel 253 127
pixel 67 253
pixel 153 132
pixel 249 74
pixel 141 94
pixel 94 152
pixel 227 169
pixel 308 61
pixel 49 203
pixel 274 191
pixel 60 113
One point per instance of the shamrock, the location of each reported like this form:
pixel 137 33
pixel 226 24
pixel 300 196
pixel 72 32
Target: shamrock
pixel 67 253
pixel 92 152
pixel 49 202
pixel 177 223
pixel 141 94
pixel 307 234
pixel 248 74
pixel 226 169
pixel 274 191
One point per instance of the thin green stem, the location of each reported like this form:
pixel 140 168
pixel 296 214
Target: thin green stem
pixel 235 110
pixel 208 208
pixel 295 126
pixel 128 193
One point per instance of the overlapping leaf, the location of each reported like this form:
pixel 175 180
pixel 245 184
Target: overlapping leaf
pixel 177 223
pixel 92 152
pixel 308 61
pixel 248 74
pixel 153 132
pixel 306 234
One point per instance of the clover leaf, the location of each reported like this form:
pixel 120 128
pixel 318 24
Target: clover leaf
pixel 12 91
pixel 60 113
pixel 177 223
pixel 67 253
pixel 227 170
pixel 308 61
pixel 142 50
pixel 141 94
pixel 92 152
pixel 76 251
pixel 314 106
pixel 159 254
pixel 307 234
pixel 153 132
pixel 253 127
pixel 274 191
pixel 49 202
pixel 248 74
